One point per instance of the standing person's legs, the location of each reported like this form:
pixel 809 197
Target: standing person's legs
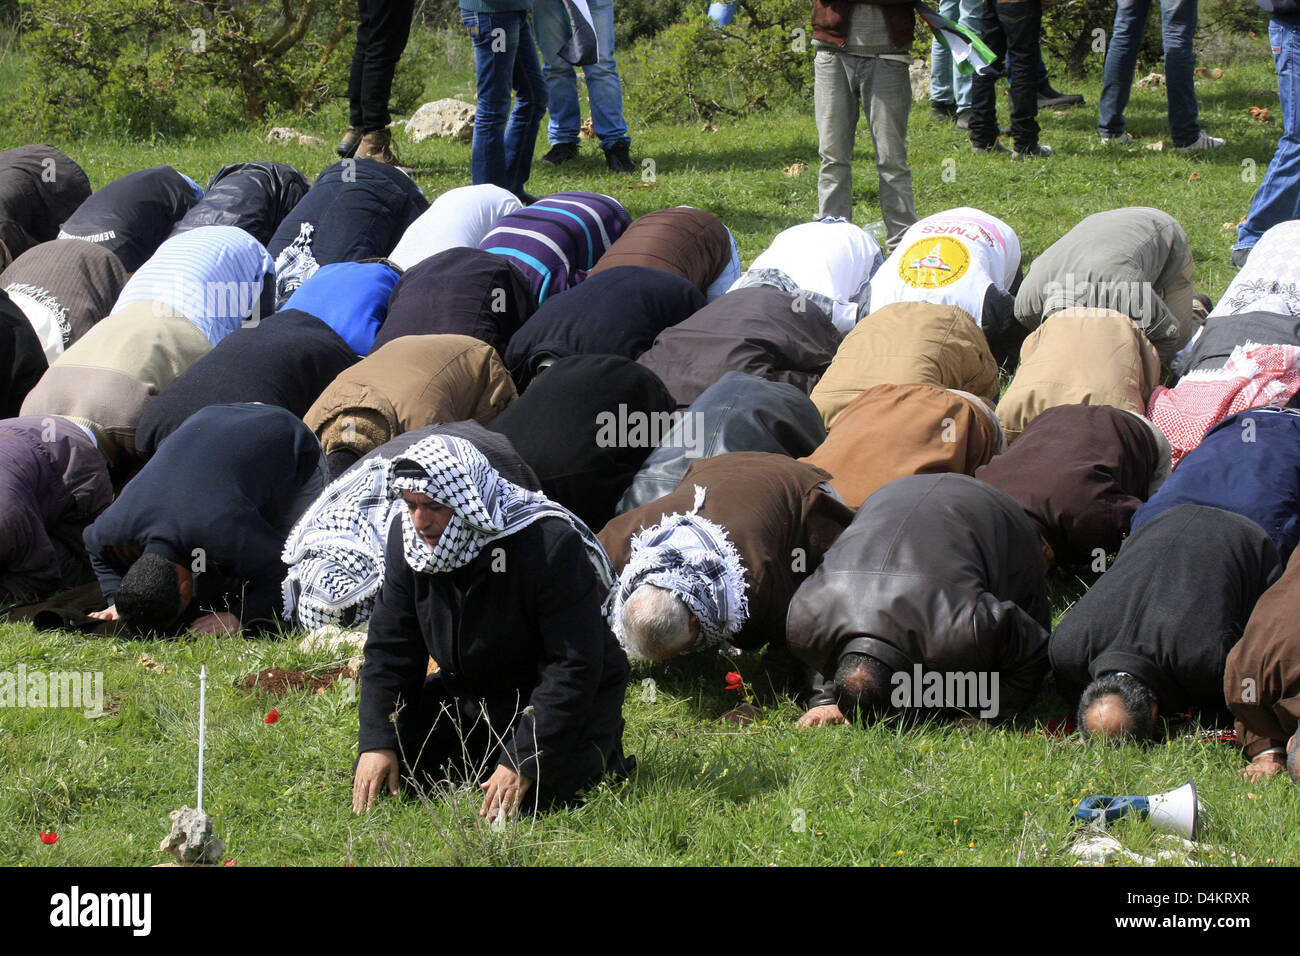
pixel 970 13
pixel 530 107
pixel 1278 196
pixel 835 104
pixel 495 71
pixel 368 12
pixel 604 90
pixel 391 25
pixel 886 94
pixel 942 67
pixel 561 77
pixel 983 95
pixel 1022 20
pixel 1121 61
pixel 1178 21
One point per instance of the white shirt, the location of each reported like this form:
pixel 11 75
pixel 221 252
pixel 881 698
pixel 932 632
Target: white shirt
pixel 949 258
pixel 459 217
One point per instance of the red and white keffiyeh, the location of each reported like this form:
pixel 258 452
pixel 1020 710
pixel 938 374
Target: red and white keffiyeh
pixel 1253 377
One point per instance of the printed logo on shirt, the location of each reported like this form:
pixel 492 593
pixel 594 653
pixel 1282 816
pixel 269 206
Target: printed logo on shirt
pixel 932 263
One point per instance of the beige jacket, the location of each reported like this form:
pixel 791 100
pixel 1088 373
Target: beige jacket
pixel 908 343
pixel 408 383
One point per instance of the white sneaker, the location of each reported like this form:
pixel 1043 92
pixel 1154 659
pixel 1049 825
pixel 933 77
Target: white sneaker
pixel 1204 141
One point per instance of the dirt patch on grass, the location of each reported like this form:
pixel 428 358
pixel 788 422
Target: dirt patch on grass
pixel 276 682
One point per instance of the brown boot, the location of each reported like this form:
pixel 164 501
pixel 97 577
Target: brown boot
pixel 378 145
pixel 348 144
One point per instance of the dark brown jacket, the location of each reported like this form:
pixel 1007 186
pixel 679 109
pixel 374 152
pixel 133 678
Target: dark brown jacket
pixel 689 242
pixel 1262 679
pixel 830 20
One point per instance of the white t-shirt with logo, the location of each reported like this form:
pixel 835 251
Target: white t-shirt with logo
pixel 949 258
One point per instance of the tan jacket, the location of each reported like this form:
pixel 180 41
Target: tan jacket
pixel 1080 357
pixel 106 378
pixel 1261 682
pixel 894 430
pixel 908 343
pixel 408 383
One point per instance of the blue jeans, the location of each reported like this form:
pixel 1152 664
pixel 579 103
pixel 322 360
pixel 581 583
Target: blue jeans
pixel 947 84
pixel 1278 196
pixel 604 91
pixel 505 57
pixel 1178 25
pixel 729 274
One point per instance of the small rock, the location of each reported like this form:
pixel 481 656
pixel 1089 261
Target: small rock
pixel 448 118
pixel 919 74
pixel 286 134
pixel 192 839
pixel 1158 145
pixel 331 637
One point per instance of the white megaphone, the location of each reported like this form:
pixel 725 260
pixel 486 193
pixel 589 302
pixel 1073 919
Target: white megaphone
pixel 1177 810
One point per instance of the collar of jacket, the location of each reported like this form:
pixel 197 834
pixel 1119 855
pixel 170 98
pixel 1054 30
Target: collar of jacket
pixel 887 654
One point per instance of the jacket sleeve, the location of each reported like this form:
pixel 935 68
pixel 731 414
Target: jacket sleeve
pixel 109 577
pixel 1022 651
pixel 573 634
pixel 395 655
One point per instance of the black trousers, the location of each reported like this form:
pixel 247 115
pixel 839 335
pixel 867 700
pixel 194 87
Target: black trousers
pixel 446 739
pixel 383 27
pixel 1011 30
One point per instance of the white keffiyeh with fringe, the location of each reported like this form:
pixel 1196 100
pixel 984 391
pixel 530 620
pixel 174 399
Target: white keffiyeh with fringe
pixel 335 552
pixel 693 558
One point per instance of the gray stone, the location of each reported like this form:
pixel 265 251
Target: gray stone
pixel 448 118
pixel 192 839
pixel 286 134
pixel 919 72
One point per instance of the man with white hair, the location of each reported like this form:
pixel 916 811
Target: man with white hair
pixel 715 563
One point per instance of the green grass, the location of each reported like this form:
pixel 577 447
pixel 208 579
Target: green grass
pixel 706 792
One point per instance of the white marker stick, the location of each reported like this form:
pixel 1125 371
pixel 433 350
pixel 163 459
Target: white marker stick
pixel 203 688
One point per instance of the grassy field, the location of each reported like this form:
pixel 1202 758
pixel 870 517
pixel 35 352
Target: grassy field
pixel 706 792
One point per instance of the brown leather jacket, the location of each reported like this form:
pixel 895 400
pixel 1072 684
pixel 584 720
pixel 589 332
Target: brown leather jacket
pixel 830 20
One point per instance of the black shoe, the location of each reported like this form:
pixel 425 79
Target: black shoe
pixel 525 197
pixel 1239 257
pixel 347 146
pixel 963 120
pixel 995 149
pixel 942 112
pixel 560 153
pixel 1050 99
pixel 617 159
pixel 1038 152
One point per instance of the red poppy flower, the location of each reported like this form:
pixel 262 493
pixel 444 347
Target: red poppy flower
pixel 273 716
pixel 49 838
pixel 231 862
pixel 734 680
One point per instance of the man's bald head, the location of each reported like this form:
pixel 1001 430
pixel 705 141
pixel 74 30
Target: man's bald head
pixel 1117 706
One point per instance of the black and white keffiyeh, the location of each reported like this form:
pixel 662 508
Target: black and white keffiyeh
pixel 484 506
pixel 335 552
pixel 693 558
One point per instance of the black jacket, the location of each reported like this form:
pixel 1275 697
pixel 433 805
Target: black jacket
pixel 739 412
pixel 1169 609
pixel 566 426
pixel 533 638
pixel 132 216
pixel 224 482
pixel 357 209
pixel 40 187
pixel 253 196
pixel 460 291
pixel 22 360
pixel 615 312
pixel 760 330
pixel 287 359
pixel 1223 333
pixel 943 571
